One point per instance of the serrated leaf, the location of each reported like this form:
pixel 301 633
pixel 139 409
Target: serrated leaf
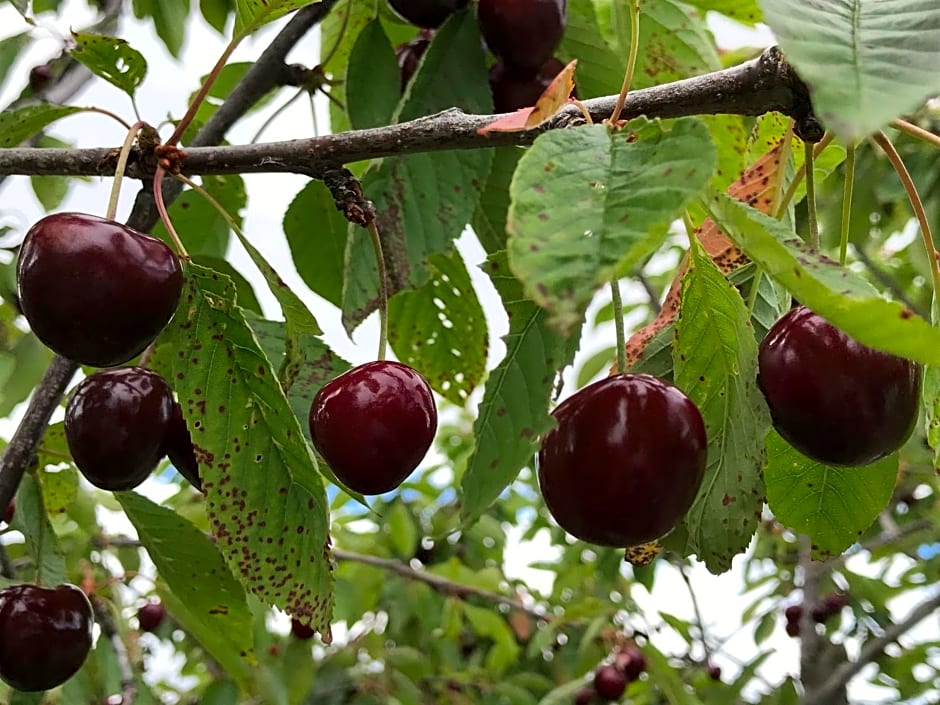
pixel 193 569
pixel 440 329
pixel 59 489
pixel 715 362
pixel 264 499
pixel 865 61
pixel 833 506
pixel 316 234
pixel 373 80
pixel 515 407
pixel 30 518
pixel 200 226
pixel 600 68
pixel 112 59
pixel 250 15
pixel 832 291
pixel 489 218
pixel 247 298
pixel 18 125
pixel 576 223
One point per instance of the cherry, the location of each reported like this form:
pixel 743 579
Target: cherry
pixel 523 33
pixel 714 672
pixel 624 462
pixel 585 696
pixel 631 661
pixel 10 511
pixel 45 635
pixel 40 77
pixel 301 631
pixel 512 91
pixel 178 446
pixel 96 291
pixel 116 423
pixel 793 629
pixel 794 613
pixel 426 13
pixel 374 424
pixel 409 55
pixel 832 398
pixel 609 682
pixel 151 616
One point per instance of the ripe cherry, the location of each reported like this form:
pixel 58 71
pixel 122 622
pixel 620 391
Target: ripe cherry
pixel 609 682
pixel 178 446
pixel 409 55
pixel 116 424
pixel 301 631
pixel 40 77
pixel 10 512
pixel 631 661
pixel 45 635
pixel 374 424
pixel 832 398
pixel 426 13
pixel 96 291
pixel 512 91
pixel 793 613
pixel 151 616
pixel 585 696
pixel 523 33
pixel 624 462
pixel 714 672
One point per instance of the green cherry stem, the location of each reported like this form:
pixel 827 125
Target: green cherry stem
pixel 121 168
pixel 811 215
pixel 631 60
pixel 847 202
pixel 164 216
pixel 617 303
pixel 915 131
pixel 798 176
pixel 383 289
pixel 203 92
pixel 276 114
pixel 108 113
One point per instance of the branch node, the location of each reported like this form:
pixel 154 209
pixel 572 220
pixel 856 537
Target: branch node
pixel 348 196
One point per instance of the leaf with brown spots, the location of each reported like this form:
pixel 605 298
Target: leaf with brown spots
pixel 251 15
pixel 264 498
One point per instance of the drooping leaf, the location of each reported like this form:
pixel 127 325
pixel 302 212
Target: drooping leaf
pixel 372 79
pixel 199 225
pixel 31 519
pixel 834 292
pixel 265 503
pixel 715 358
pixel 169 18
pixel 865 62
pixel 251 15
pixel 112 59
pixel 576 223
pixel 833 506
pixel 514 412
pixel 193 569
pixel 18 125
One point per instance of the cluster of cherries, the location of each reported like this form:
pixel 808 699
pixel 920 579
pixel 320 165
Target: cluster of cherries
pixel 523 69
pixel 821 612
pixel 611 680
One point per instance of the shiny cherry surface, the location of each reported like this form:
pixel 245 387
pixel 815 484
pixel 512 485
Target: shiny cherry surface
pixel 512 91
pixel 523 33
pixel 426 13
pixel 151 616
pixel 624 462
pixel 609 683
pixel 409 56
pixel 116 424
pixel 96 291
pixel 833 399
pixel 374 424
pixel 45 635
pixel 301 631
pixel 179 448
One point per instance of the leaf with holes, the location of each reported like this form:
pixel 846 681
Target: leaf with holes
pixel 264 499
pixel 440 329
pixel 865 63
pixel 833 506
pixel 715 362
pixel 18 125
pixel 576 223
pixel 112 59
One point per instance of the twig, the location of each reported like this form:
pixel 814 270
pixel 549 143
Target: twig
pixel 698 612
pixel 881 541
pixel 651 293
pixel 812 644
pixel 110 631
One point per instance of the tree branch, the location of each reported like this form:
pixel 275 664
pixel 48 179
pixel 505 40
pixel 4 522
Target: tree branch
pixel 762 85
pixel 110 631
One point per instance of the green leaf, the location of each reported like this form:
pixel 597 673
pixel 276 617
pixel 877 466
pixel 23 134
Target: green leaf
pixel 440 329
pixel 423 201
pixel 10 48
pixel 576 223
pixel 865 63
pixel 50 190
pixel 401 529
pixel 246 293
pixel 216 13
pixel 489 218
pixel 16 126
pixel 743 11
pixel 931 393
pixel 264 499
pixel 316 234
pixel 193 569
pixel 200 226
pixel 112 59
pixel 373 80
pixel 600 68
pixel 250 15
pixel 834 292
pixel 31 520
pixel 667 678
pixel 833 506
pixel 514 411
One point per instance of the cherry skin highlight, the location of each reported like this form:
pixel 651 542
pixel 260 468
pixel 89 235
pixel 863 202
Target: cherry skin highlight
pixel 429 14
pixel 96 291
pixel 523 33
pixel 624 462
pixel 833 399
pixel 116 424
pixel 373 425
pixel 45 635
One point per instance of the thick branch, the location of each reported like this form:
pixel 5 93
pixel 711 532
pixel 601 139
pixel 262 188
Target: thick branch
pixel 762 85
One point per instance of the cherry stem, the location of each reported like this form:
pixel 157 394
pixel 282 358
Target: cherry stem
pixel 631 60
pixel 164 216
pixel 617 303
pixel 915 131
pixel 113 116
pixel 811 215
pixel 800 173
pixel 847 202
pixel 888 148
pixel 121 168
pixel 277 113
pixel 383 288
pixel 203 92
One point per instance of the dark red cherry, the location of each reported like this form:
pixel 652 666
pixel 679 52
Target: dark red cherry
pixel 373 425
pixel 301 631
pixel 409 55
pixel 714 672
pixel 116 424
pixel 631 661
pixel 794 613
pixel 609 682
pixel 512 91
pixel 178 447
pixel 793 629
pixel 45 635
pixel 523 33
pixel 151 616
pixel 832 398
pixel 40 77
pixel 624 462
pixel 426 13
pixel 10 511
pixel 585 696
pixel 96 291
